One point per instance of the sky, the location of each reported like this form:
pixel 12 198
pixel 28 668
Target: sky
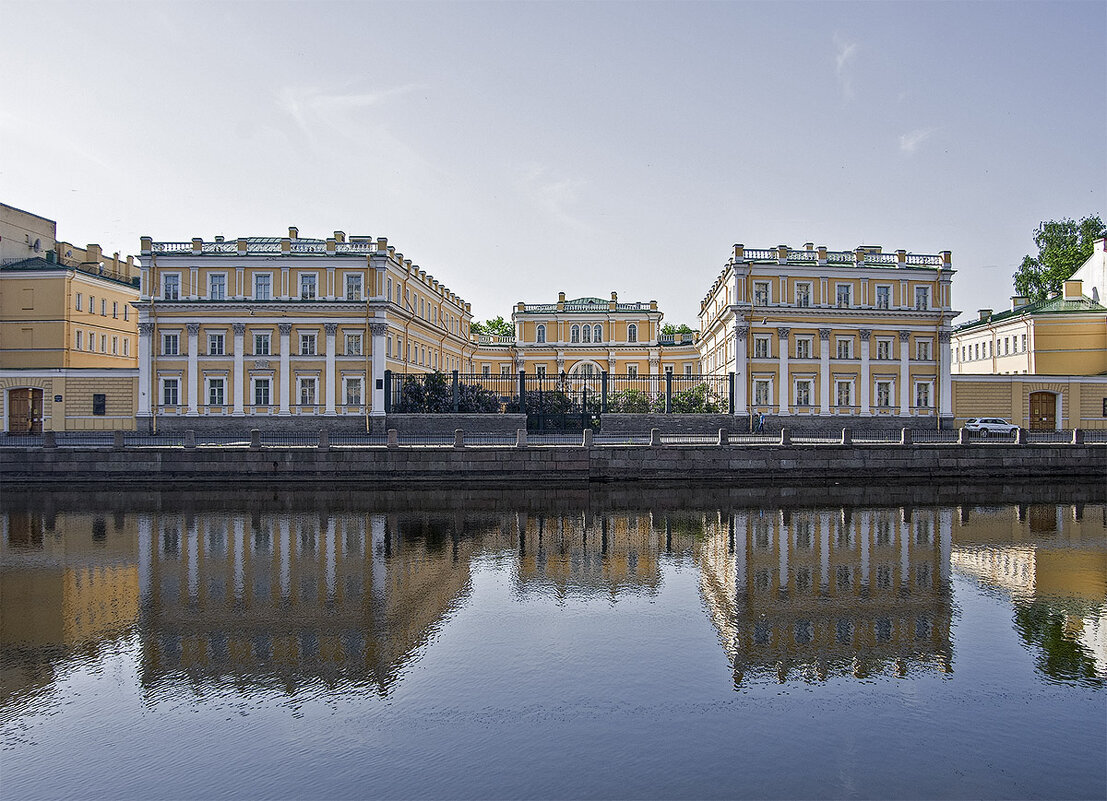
pixel 517 149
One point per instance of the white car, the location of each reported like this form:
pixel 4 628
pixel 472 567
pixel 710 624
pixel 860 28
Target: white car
pixel 990 425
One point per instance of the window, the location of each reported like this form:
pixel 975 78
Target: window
pixel 388 292
pixel 760 347
pixel 803 348
pixel 215 392
pixel 883 349
pixel 353 287
pixel 803 295
pixel 761 293
pixel 170 391
pixel 99 404
pixel 216 345
pixel 922 395
pixel 632 370
pixel 884 393
pixel 883 297
pixel 170 344
pixel 103 343
pixel 540 334
pixel 126 347
pixel 1024 343
pixel 540 370
pixel 842 292
pixel 388 347
pixel 586 334
pixel 80 339
pixel 261 344
pixel 307 344
pixel 263 287
pixel 353 344
pixel 688 369
pixel 126 312
pixel 505 369
pixel 486 370
pixel 922 298
pixel 307 287
pixel 171 287
pixel 217 287
pixel 845 393
pixel 115 346
pixel 261 391
pixel 103 307
pixel 762 392
pixel 632 333
pixel 114 309
pixel 574 334
pixel 922 350
pixel 92 304
pixel 80 301
pixel 803 393
pixel 597 333
pixel 307 391
pixel 845 348
pixel 353 391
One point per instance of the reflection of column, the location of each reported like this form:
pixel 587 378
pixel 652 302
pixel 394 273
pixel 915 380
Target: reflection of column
pixel 824 371
pixel 193 556
pixel 741 401
pixel 330 329
pixel 866 335
pixel 866 521
pixel 286 567
pixel 378 331
pixel 378 531
pixel 330 544
pixel 145 557
pixel 904 564
pixel 904 373
pixel 239 353
pixel 741 536
pixel 945 542
pixel 193 367
pixel 824 551
pixel 783 543
pixel 239 548
pixel 285 330
pixel 945 378
pixel 145 367
pixel 783 386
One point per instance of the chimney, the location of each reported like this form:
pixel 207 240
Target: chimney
pixel 1018 301
pixel 92 254
pixel 808 246
pixel 293 232
pixel 339 236
pixel 985 315
pixel 1073 290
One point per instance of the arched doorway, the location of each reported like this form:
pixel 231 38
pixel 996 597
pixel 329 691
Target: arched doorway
pixel 25 411
pixel 1043 411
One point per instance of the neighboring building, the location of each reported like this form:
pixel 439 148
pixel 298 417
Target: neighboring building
pixel 820 335
pixel 68 331
pixel 282 328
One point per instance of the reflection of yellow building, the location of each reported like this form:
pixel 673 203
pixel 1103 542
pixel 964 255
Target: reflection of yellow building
pixel 68 332
pixel 821 592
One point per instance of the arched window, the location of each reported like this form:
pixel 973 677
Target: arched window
pixel 632 333
pixel 541 334
pixel 574 334
pixel 597 333
pixel 587 333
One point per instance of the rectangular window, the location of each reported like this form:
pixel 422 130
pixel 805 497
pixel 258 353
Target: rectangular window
pixel 216 345
pixel 353 391
pixel 1024 343
pixel 215 391
pixel 803 393
pixel 842 292
pixel 126 312
pixel 103 343
pixel 353 344
pixel 486 370
pixel 803 295
pixel 540 370
pixel 217 287
pixel 80 339
pixel 388 347
pixel 99 404
pixel 80 301
pixel 171 287
pixel 845 348
pixel 103 307
pixel 688 369
pixel 115 309
pixel 884 393
pixel 883 297
pixel 922 350
pixel 883 349
pixel 170 391
pixel 803 348
pixel 115 346
pixel 126 347
pixel 632 370
pixel 307 287
pixel 307 344
pixel 761 293
pixel 760 347
pixel 845 393
pixel 261 391
pixel 761 393
pixel 263 287
pixel 353 287
pixel 505 369
pixel 922 395
pixel 307 391
pixel 922 298
pixel 261 344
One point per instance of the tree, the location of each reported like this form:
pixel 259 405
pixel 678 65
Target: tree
pixel 669 328
pixel 1063 245
pixel 497 326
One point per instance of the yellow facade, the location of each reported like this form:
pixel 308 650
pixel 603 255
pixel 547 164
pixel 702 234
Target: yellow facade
pixel 1036 402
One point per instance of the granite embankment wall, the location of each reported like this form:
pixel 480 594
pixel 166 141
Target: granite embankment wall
pixel 796 464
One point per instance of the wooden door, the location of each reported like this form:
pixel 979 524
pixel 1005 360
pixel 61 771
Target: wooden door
pixel 1043 411
pixel 25 411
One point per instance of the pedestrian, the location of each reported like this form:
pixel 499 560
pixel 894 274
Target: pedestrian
pixel 760 422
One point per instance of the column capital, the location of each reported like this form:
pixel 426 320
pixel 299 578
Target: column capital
pixel 865 334
pixel 904 336
pixel 284 328
pixel 824 334
pixel 193 328
pixel 330 329
pixel 238 328
pixel 943 337
pixel 783 332
pixel 378 329
pixel 741 330
pixel 145 329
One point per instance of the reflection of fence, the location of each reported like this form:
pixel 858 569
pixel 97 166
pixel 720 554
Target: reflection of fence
pixel 564 394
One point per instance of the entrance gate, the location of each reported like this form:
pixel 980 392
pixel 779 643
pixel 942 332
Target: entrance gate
pixel 1043 411
pixel 25 411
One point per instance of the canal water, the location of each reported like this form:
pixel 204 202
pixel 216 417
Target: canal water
pixel 640 641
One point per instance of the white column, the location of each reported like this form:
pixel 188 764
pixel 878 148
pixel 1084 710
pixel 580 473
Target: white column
pixel 866 335
pixel 239 354
pixel 378 331
pixel 330 329
pixel 904 373
pixel 782 391
pixel 145 368
pixel 824 371
pixel 741 369
pixel 945 378
pixel 285 379
pixel 193 367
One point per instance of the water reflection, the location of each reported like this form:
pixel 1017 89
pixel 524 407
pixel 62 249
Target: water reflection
pixel 282 592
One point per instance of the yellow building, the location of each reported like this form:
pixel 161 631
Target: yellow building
pixel 286 329
pixel 815 336
pixel 68 331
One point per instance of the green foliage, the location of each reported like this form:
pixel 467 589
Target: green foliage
pixel 1063 245
pixel 1058 655
pixel 497 326
pixel 475 398
pixel 629 401
pixel 697 400
pixel 669 328
pixel 433 394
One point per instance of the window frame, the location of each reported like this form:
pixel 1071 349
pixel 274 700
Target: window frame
pixel 268 284
pixel 217 338
pixel 308 280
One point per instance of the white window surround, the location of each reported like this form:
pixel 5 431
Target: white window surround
pixel 803 390
pixel 170 391
pixel 217 286
pixel 263 286
pixel 170 287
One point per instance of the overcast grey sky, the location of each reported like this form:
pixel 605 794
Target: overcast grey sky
pixel 513 150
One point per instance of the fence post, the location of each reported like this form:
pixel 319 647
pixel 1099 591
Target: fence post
pixel 387 391
pixel 393 438
pixel 785 437
pixel 724 436
pixel 668 392
pixel 962 437
pixel 603 392
pixel 847 437
pixel 49 440
pixel 587 443
pixel 1078 436
pixel 456 393
pixel 117 441
pixel 522 392
pixel 190 440
pixel 255 439
pixel 1020 436
pixel 655 437
pixel 520 438
pixel 730 383
pixel 905 436
pixel 459 437
pixel 324 440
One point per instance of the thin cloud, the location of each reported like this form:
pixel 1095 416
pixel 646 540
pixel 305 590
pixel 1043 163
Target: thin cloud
pixel 845 52
pixel 310 107
pixel 554 194
pixel 910 142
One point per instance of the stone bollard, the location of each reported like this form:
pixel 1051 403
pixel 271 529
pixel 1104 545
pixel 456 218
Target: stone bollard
pixel 255 439
pixel 962 437
pixel 393 438
pixel 324 441
pixel 847 437
pixel 587 443
pixel 905 436
pixel 190 440
pixel 520 438
pixel 724 438
pixel 1078 436
pixel 655 437
pixel 117 442
pixel 459 437
pixel 49 440
pixel 1020 436
pixel 785 437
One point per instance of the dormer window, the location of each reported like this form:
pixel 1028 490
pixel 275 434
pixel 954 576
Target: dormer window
pixel 540 334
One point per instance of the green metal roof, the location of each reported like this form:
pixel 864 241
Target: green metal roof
pixel 38 264
pixel 1054 305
